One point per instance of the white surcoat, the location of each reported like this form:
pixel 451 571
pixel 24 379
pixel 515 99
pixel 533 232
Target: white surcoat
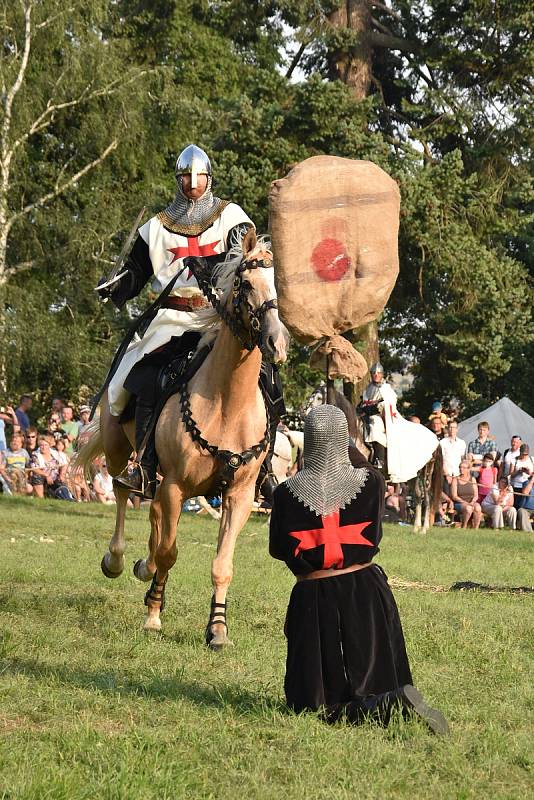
pixel 409 444
pixel 167 251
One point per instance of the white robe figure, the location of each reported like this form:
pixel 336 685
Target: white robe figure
pixel 409 444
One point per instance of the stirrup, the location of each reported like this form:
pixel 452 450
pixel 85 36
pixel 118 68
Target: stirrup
pixel 209 635
pixel 136 481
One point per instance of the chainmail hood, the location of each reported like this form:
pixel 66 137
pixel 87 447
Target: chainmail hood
pixel 192 217
pixel 328 481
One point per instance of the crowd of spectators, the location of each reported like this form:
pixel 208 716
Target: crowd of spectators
pixel 480 485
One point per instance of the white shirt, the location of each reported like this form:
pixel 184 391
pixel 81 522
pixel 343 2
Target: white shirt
pixel 453 452
pixel 509 461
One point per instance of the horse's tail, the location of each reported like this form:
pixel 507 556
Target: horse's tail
pixel 94 447
pixel 436 486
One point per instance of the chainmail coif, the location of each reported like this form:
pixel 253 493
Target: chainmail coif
pixel 328 481
pixel 185 212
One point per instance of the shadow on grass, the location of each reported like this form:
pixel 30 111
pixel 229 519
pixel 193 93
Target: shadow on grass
pixel 160 689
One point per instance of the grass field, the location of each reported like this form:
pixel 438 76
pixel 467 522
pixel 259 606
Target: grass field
pixel 91 707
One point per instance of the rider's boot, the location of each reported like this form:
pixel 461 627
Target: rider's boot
pixel 267 481
pixel 141 478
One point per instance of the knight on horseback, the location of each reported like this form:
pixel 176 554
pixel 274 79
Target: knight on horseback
pixel 195 225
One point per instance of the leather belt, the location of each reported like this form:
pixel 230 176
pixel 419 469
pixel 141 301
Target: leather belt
pixel 331 573
pixel 185 303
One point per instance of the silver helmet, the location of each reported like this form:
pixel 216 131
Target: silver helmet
pixel 376 367
pixel 328 481
pixel 193 161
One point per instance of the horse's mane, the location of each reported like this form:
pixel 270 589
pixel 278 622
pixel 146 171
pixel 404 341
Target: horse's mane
pixel 224 273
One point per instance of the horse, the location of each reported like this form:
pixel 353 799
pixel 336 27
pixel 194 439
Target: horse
pixel 425 487
pixel 219 418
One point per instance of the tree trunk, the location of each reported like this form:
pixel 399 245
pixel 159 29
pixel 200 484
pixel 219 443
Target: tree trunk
pixel 353 66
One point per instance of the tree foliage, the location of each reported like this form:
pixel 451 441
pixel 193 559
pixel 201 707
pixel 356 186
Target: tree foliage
pixel 446 109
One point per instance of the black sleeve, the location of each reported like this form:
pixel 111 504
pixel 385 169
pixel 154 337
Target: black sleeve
pixel 139 272
pixel 276 538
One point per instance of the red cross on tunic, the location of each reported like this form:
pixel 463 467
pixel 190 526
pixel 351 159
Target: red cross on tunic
pixel 193 249
pixel 332 535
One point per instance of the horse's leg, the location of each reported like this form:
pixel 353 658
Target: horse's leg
pixel 170 497
pixel 237 505
pixel 117 449
pixel 145 568
pixel 113 562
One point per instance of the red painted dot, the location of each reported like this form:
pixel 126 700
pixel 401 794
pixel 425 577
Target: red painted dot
pixel 330 260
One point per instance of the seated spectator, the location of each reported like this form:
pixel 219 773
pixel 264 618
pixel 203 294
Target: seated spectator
pixel 437 413
pixel 525 506
pixel 522 470
pixel 30 439
pixel 103 484
pixel 13 465
pixel 477 449
pixel 70 427
pixel 498 506
pixel 52 428
pixel 394 501
pixel 61 454
pixel 24 406
pixel 509 456
pixel 487 477
pixel 453 450
pixel 48 477
pixel 83 423
pixel 464 494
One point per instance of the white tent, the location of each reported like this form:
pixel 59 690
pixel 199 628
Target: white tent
pixel 505 419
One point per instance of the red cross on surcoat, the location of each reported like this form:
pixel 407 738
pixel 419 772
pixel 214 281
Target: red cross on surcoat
pixel 332 535
pixel 193 249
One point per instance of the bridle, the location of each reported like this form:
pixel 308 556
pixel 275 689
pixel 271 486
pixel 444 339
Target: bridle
pixel 250 337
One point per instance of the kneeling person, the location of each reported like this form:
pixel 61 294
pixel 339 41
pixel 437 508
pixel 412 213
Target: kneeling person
pixel 346 653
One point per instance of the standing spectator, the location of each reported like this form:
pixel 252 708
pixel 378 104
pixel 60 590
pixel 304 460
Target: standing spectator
pixel 464 494
pixel 57 405
pixel 498 505
pixel 436 426
pixel 453 450
pixel 13 464
pixel 477 449
pixel 521 472
pixel 487 477
pixel 7 414
pixel 525 508
pixel 70 427
pixel 103 484
pixel 509 456
pixel 22 412
pixel 52 428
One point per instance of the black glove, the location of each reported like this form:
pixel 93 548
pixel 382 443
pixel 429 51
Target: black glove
pixel 105 292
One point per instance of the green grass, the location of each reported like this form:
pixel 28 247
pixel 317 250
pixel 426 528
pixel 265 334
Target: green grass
pixel 91 707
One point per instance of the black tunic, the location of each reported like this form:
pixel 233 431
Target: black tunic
pixel 346 650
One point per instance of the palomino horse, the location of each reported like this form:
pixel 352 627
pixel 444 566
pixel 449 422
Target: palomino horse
pixel 225 418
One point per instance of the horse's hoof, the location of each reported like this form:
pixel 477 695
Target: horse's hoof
pixel 140 574
pixel 219 642
pixel 152 624
pixel 107 572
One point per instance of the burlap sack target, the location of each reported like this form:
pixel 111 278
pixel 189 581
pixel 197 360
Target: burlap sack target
pixel 334 225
